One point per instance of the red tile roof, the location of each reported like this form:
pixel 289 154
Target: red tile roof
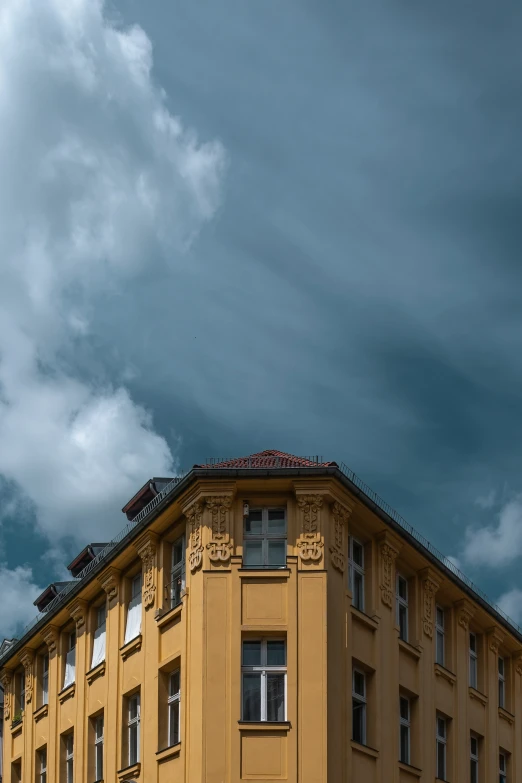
pixel 269 459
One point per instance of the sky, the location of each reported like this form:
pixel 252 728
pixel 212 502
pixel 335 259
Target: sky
pixel 230 227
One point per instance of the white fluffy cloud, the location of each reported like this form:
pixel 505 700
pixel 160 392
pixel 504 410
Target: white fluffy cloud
pixel 18 593
pixel 497 544
pixel 511 603
pixel 97 179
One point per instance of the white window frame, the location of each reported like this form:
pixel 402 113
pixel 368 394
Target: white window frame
pixel 135 601
pixel 70 658
pixel 174 703
pixel 501 682
pixel 440 635
pixel 177 571
pixel 361 700
pixel 42 763
pixel 405 722
pixel 355 568
pixel 265 537
pixel 264 669
pixel 22 691
pixel 402 603
pixel 99 743
pixel 133 724
pixel 502 767
pixel 45 679
pixel 441 740
pixel 69 758
pixel 473 660
pixel 474 757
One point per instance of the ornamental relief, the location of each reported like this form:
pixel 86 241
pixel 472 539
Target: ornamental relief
pixel 429 588
pixel 219 546
pixel 340 516
pixel 147 553
pixel 50 636
pixel 464 613
pixel 5 680
pixel 194 515
pixel 310 544
pixel 388 555
pixel 27 660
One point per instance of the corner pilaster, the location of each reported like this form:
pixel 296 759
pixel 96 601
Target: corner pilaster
pixel 147 547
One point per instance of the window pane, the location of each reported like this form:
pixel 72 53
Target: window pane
pixel 358 683
pixel 99 762
pixel 133 708
pixel 251 696
pixel 440 617
pixel 276 524
pixel 253 553
pixel 254 523
pixel 174 723
pixel 440 648
pixel 276 652
pixel 441 728
pixel 502 762
pixel 174 683
pixel 474 746
pixel 441 760
pixel 405 709
pixel 251 653
pixel 473 672
pixel 275 697
pixel 501 693
pixel 403 623
pixel 133 744
pixel 473 771
pixel 358 588
pixel 276 553
pixel 177 553
pixel 405 751
pixel 358 716
pixel 357 553
pixel 403 588
pixel 473 642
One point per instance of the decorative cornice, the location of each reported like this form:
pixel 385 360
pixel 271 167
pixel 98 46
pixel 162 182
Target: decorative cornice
pixel 465 612
pixel 78 612
pixel 310 543
pixel 430 585
pixel 194 514
pixel 219 547
pixel 146 547
pixel 27 661
pixel 110 582
pixel 495 639
pixel 389 548
pixel 50 634
pixel 340 517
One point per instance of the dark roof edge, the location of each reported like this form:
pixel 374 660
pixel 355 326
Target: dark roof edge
pixel 196 473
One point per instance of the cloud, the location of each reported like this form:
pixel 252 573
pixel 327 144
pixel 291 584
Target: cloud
pixel 98 179
pixel 18 592
pixel 498 544
pixel 487 501
pixel 511 604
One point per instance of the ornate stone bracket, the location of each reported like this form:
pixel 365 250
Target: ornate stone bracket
pixel 194 514
pixel 430 585
pixel 465 612
pixel 27 661
pixel 310 543
pixel 219 547
pixel 6 679
pixel 50 635
pixel 389 548
pixel 110 581
pixel 517 661
pixel 78 612
pixel 495 639
pixel 340 517
pixel 146 547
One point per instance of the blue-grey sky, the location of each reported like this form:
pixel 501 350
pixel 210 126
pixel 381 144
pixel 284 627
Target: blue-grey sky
pixel 253 224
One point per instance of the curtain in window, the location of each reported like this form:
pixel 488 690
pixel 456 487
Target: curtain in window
pixel 133 628
pixel 98 649
pixel 70 666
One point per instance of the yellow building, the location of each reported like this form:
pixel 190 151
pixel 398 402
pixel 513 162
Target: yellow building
pixel 265 618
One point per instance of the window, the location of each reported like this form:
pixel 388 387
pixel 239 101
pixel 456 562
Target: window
pixel 473 655
pixel 19 694
pixel 177 572
pixel 356 572
pixel 402 607
pixel 404 741
pixel 264 680
pixel 69 758
pixel 70 660
pixel 133 627
pixel 45 678
pixel 441 747
pixel 16 772
pixel 173 702
pixel 98 748
pixel 359 707
pixel 501 683
pixel 98 647
pixel 439 635
pixel 133 729
pixel 41 766
pixel 502 768
pixel 474 760
pixel 264 544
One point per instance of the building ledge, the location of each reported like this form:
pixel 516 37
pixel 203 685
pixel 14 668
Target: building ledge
pixel 128 773
pixel 131 647
pixel 264 725
pixel 97 671
pixel 41 712
pixel 67 693
pixel 415 771
pixel 264 573
pixel 364 618
pixel 475 694
pixel 168 616
pixel 441 671
pixel 507 716
pixel 364 749
pixel 168 753
pixel 410 650
pixel 17 726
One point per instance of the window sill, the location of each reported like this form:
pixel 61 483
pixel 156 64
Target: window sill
pixel 475 694
pixel 169 615
pixel 128 773
pixel 409 649
pixel 97 671
pixel 507 716
pixel 41 712
pixel 264 725
pixel 364 749
pixel 441 671
pixel 168 753
pixel 17 726
pixel 265 571
pixel 131 647
pixel 67 693
pixel 363 618
pixel 412 770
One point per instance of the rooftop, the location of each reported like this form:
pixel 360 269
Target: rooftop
pixel 269 459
